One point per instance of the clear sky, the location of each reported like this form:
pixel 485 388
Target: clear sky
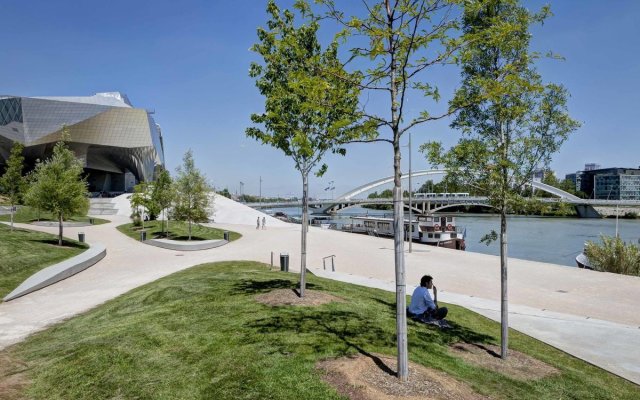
pixel 189 60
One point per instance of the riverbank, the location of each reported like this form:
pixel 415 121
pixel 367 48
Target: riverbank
pixel 554 240
pixel 586 296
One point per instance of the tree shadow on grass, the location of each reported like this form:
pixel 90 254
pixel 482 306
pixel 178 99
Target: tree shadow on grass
pixel 457 333
pixel 254 287
pixel 454 334
pixel 338 329
pixel 65 243
pixel 181 237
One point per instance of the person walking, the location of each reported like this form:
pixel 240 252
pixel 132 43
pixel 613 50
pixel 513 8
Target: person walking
pixel 258 223
pixel 264 222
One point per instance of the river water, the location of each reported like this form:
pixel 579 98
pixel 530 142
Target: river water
pixel 545 239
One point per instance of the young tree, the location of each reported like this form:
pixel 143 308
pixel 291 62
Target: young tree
pixel 12 182
pixel 405 39
pixel 57 185
pixel 163 194
pixel 192 198
pixel 142 199
pixel 310 108
pixel 517 123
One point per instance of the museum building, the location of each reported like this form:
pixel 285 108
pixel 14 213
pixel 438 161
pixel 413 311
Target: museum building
pixel 119 145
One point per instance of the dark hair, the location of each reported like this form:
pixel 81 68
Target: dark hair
pixel 425 280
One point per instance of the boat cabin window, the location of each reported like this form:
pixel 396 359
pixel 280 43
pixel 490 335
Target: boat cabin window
pixel 370 224
pixel 384 226
pixel 437 236
pixel 449 219
pixel 430 236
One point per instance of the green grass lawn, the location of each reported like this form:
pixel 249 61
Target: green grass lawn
pixel 24 252
pixel 27 215
pixel 178 230
pixel 200 334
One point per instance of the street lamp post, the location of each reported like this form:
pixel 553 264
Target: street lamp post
pixel 410 202
pixel 330 187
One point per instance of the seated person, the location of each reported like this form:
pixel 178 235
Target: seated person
pixel 422 306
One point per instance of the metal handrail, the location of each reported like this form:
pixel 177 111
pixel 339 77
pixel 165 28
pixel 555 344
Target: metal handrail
pixel 333 265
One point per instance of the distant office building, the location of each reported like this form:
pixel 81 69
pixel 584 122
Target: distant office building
pixel 538 175
pixel 118 144
pixel 575 179
pixel 610 183
pixel 591 166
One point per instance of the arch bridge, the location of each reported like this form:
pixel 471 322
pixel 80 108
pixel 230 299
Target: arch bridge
pixel 422 205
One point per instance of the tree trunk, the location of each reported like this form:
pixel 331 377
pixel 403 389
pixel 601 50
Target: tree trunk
pixel 303 238
pixel 12 212
pixel 504 303
pixel 60 229
pixel 504 309
pixel 401 288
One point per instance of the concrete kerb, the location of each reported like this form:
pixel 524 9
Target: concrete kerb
pixel 57 272
pixel 182 245
pixel 65 224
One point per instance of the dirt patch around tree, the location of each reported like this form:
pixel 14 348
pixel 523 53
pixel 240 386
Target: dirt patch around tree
pixel 517 365
pixel 290 297
pixel 13 377
pixel 373 377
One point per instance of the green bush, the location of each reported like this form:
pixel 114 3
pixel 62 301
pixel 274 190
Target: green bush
pixel 614 255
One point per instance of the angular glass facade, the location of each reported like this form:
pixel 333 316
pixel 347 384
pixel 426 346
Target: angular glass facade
pixel 611 183
pixel 108 134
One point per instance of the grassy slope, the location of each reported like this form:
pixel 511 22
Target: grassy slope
pixel 199 334
pixel 24 252
pixel 26 215
pixel 178 231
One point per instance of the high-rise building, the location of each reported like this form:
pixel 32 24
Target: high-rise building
pixel 610 183
pixel 118 144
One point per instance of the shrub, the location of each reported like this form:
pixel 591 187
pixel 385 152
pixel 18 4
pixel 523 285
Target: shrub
pixel 614 255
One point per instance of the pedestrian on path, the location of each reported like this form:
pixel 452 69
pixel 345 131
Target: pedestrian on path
pixel 258 223
pixel 264 223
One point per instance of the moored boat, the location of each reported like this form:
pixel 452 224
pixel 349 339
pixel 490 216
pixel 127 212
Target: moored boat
pixel 583 261
pixel 433 230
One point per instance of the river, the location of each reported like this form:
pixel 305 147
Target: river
pixel 545 239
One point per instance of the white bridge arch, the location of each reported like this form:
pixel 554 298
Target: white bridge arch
pixel 379 182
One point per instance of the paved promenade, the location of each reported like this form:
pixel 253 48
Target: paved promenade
pixel 588 314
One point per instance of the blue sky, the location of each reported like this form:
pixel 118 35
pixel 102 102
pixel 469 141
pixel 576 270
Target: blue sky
pixel 189 62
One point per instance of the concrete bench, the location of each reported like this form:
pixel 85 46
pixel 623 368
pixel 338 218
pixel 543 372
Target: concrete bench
pixel 185 245
pixel 57 272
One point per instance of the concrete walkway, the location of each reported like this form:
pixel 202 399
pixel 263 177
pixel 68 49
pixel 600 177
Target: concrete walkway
pixel 588 314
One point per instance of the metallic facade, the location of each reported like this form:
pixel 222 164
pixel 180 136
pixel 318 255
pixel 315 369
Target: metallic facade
pixel 113 139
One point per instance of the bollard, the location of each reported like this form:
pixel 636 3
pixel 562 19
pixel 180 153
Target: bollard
pixel 143 236
pixel 81 237
pixel 271 261
pixel 91 221
pixel 284 262
pixel 225 234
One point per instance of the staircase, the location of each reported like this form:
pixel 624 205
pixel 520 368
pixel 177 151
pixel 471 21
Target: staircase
pixel 102 206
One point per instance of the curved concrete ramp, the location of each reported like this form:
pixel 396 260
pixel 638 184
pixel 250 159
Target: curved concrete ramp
pixel 182 245
pixel 60 271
